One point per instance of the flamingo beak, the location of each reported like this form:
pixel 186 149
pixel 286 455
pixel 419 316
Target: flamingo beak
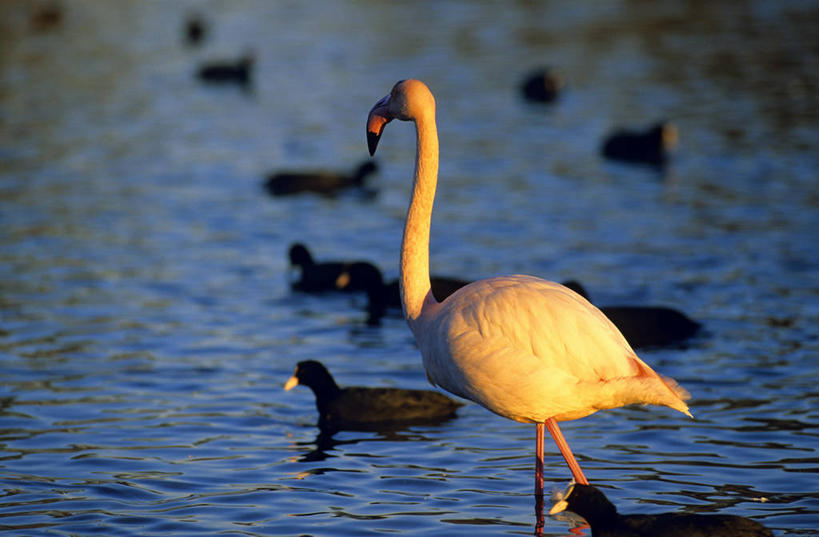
pixel 379 116
pixel 291 383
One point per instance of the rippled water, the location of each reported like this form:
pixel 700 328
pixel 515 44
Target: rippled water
pixel 147 324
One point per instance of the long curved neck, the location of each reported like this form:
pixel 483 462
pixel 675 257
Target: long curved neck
pixel 415 247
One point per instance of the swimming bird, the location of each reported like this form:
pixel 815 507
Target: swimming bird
pixel 46 16
pixel 646 326
pixel 368 408
pixel 384 296
pixel 195 29
pixel 330 275
pixel 651 146
pixel 229 72
pixel 542 85
pixel 642 326
pixel 604 520
pixel 527 349
pixel 319 181
pixel 442 287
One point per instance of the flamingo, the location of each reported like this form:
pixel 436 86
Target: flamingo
pixel 525 348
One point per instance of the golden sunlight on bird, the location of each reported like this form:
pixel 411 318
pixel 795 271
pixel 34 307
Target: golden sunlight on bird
pixel 525 348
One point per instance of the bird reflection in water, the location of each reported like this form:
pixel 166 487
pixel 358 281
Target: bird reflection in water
pixel 326 441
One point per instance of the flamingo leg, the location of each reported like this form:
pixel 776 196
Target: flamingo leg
pixel 539 480
pixel 539 521
pixel 539 461
pixel 563 446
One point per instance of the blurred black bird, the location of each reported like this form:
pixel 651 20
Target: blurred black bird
pixel 652 146
pixel 604 520
pixel 46 16
pixel 195 29
pixel 646 326
pixel 442 287
pixel 383 296
pixel 238 71
pixel 542 85
pixel 318 181
pixel 330 275
pixel 365 408
pixel 642 326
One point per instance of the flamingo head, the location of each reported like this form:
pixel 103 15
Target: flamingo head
pixel 408 100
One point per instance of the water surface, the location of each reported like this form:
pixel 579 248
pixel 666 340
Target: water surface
pixel 147 325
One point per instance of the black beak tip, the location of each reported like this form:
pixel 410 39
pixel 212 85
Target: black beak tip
pixel 372 141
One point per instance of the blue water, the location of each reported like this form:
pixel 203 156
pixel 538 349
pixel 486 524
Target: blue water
pixel 147 325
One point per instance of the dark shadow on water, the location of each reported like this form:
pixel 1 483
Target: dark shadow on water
pixel 324 442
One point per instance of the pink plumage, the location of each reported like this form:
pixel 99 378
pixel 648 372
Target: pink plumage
pixel 525 348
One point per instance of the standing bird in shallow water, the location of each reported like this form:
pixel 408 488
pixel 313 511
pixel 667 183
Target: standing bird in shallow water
pixel 525 348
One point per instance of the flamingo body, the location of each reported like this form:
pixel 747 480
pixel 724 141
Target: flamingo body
pixel 529 349
pixel 525 348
